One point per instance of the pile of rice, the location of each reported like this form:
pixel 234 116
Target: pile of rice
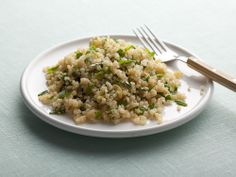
pixel 111 81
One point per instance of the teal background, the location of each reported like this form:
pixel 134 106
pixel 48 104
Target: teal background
pixel 206 146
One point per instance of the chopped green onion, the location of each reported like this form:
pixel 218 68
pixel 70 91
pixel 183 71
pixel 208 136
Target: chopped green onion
pixel 121 53
pixel 129 47
pixel 181 103
pixel 52 69
pixel 125 62
pixel 64 94
pixel 98 114
pixel 150 53
pixel 43 93
pixel 78 54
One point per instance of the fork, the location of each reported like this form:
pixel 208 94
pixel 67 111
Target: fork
pixel 152 42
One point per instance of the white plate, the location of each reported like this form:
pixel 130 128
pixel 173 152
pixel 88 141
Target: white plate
pixel 33 82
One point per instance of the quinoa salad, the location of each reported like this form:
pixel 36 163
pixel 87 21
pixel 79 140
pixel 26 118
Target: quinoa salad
pixel 111 81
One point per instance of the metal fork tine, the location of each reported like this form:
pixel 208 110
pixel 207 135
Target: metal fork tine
pixel 146 39
pixel 152 41
pixel 141 40
pixel 165 48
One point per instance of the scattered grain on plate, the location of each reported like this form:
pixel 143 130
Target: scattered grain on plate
pixel 178 108
pixel 178 74
pixel 202 90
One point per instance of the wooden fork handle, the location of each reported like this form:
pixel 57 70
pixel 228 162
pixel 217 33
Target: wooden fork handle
pixel 212 73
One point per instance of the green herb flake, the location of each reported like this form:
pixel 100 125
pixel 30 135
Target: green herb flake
pixel 78 54
pixel 140 110
pixel 167 86
pixel 129 47
pixel 82 108
pixel 92 47
pixel 89 89
pixel 64 94
pixel 146 78
pixel 60 110
pixel 151 88
pixel 150 53
pixel 108 70
pixel 76 73
pixel 98 114
pixel 66 79
pixel 64 75
pixel 181 103
pixel 127 84
pixel 122 102
pixel 175 89
pixel 88 60
pixel 125 62
pixel 159 75
pixel 152 106
pixel 43 93
pixel 160 94
pixel 121 53
pixel 100 74
pixel 51 97
pixel 142 89
pixel 52 69
pixel 168 97
pixel 116 80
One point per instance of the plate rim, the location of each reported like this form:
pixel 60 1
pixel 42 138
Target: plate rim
pixel 108 133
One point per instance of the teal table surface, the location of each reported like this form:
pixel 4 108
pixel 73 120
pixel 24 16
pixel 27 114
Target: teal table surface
pixel 206 146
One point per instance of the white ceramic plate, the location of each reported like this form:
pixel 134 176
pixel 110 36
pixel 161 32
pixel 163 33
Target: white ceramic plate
pixel 33 82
